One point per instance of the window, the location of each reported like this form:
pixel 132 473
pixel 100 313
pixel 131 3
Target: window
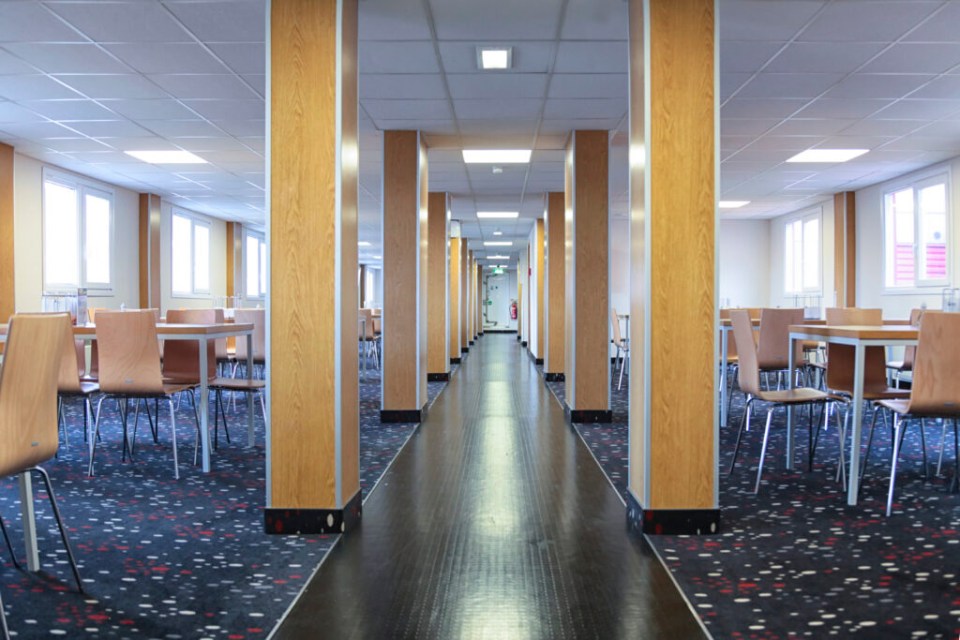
pixel 915 234
pixel 77 234
pixel 255 265
pixel 190 264
pixel 802 255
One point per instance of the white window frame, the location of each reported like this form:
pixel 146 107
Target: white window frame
pixel 247 233
pixel 195 221
pixel 937 175
pixel 82 188
pixel 803 217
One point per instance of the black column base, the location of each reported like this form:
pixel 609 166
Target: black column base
pixel 313 521
pixel 438 377
pixel 402 415
pixel 671 522
pixel 470 343
pixel 589 416
pixel 538 361
pixel 518 337
pixel 464 349
pixel 523 343
pixel 554 377
pixel 455 360
pixel 481 334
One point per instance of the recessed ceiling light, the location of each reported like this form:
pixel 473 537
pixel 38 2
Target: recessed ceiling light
pixel 496 156
pixel 498 232
pixel 827 155
pixel 378 257
pixel 733 204
pixel 363 243
pixel 498 257
pixel 498 214
pixel 167 157
pixel 494 57
pixel 497 243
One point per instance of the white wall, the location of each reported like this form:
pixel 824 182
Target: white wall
pixel 778 298
pixel 870 287
pixel 218 268
pixel 618 264
pixel 744 263
pixel 524 303
pixel 28 239
pixel 501 290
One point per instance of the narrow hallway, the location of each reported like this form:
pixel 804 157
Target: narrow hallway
pixel 493 522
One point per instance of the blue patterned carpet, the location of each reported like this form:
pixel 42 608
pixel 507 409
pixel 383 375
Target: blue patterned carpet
pixel 162 558
pixel 795 561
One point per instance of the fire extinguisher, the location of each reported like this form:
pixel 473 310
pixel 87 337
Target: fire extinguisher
pixel 513 310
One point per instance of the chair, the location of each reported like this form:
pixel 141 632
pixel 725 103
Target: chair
pixel 622 344
pixel 773 344
pixel 256 317
pixel 28 405
pixel 898 367
pixel 935 390
pixel 732 358
pixel 368 335
pixel 70 384
pixel 130 369
pixel 749 378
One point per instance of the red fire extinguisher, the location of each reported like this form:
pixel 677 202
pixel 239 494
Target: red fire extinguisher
pixel 513 310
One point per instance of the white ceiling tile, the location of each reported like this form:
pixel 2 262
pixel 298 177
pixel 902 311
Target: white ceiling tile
pixel 31 22
pixel 393 20
pixel 125 86
pixel 947 129
pixel 757 108
pixel 880 85
pixel 108 128
pixel 12 112
pixel 562 108
pixel 33 87
pixel 241 127
pixel 940 27
pixel 849 141
pixel 140 143
pixel 916 58
pixel 67 57
pixel 527 57
pixel 587 85
pixel 850 108
pixel 730 83
pixel 204 86
pixel 811 127
pixel 228 109
pixel 944 87
pixel 747 126
pixel 786 143
pixel 242 57
pixel 469 20
pixel 425 86
pixel 234 21
pixel 595 20
pixel 587 57
pixel 419 109
pixel 122 21
pixel 504 108
pixel 789 85
pixel 11 65
pixel 867 21
pixel 920 109
pixel 398 57
pixel 495 85
pixel 167 57
pixel 258 83
pixel 496 133
pixel 763 20
pixel 220 144
pixel 69 109
pixel 745 57
pixel 165 108
pixel 823 57
pixel 182 128
pixel 38 130
pixel 581 124
pixel 75 145
pixel 425 125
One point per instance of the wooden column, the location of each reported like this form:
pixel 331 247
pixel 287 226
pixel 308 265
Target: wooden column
pixel 845 248
pixel 8 302
pixel 234 261
pixel 520 309
pixel 522 289
pixel 465 254
pixel 362 285
pixel 673 313
pixel 538 323
pixel 313 437
pixel 405 291
pixel 438 292
pixel 479 299
pixel 471 295
pixel 454 304
pixel 149 251
pixel 587 326
pixel 554 284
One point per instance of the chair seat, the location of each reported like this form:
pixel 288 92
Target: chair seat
pixel 86 388
pixel 237 384
pixel 876 393
pixel 800 395
pixel 899 365
pixel 900 406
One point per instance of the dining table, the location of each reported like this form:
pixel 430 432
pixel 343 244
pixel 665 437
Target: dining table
pixel 891 334
pixel 202 333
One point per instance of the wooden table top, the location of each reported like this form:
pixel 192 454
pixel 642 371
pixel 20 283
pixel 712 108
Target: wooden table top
pixel 230 328
pixel 862 332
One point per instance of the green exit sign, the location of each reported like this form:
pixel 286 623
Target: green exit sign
pixel 497 271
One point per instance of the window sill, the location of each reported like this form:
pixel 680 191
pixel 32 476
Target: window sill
pixel 916 291
pixel 192 296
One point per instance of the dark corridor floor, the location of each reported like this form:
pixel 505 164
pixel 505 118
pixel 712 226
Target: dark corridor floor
pixel 493 522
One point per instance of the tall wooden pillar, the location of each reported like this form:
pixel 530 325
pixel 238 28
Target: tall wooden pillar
pixel 845 248
pixel 456 316
pixel 362 286
pixel 554 285
pixel 313 447
pixel 522 289
pixel 149 251
pixel 438 292
pixel 234 262
pixel 537 322
pixel 480 300
pixel 673 313
pixel 587 325
pixel 465 254
pixel 8 303
pixel 405 240
pixel 471 297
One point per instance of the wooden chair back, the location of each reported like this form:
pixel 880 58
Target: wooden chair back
pixel 749 371
pixel 366 328
pixel 840 357
pixel 181 358
pixel 935 389
pixel 129 352
pixel 910 353
pixel 615 322
pixel 258 318
pixel 28 390
pixel 220 346
pixel 72 363
pixel 773 347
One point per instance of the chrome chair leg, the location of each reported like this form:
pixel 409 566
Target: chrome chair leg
pixel 6 538
pixel 763 450
pixel 3 622
pixel 744 419
pixel 897 422
pixel 95 436
pixel 173 428
pixel 943 444
pixel 63 531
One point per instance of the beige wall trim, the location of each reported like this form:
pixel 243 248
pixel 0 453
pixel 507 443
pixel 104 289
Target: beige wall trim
pixel 7 282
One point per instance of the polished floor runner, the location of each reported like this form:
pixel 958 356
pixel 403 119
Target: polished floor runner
pixel 493 522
